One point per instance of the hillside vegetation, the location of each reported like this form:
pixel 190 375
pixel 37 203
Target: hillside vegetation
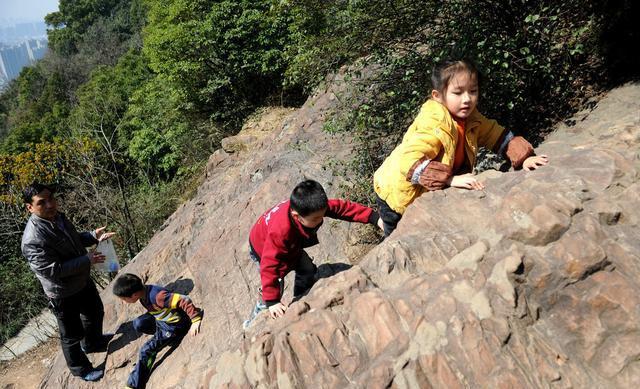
pixel 135 95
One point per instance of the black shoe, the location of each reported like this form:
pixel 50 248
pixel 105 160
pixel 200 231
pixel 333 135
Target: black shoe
pixel 100 346
pixel 92 375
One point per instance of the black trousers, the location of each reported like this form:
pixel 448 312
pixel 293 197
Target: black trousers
pixel 390 218
pixel 79 322
pixel 306 274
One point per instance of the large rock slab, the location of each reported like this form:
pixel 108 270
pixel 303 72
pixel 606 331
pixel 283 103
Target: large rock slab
pixel 532 282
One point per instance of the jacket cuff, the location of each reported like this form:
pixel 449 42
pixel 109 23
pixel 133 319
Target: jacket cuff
pixel 373 218
pixel 505 138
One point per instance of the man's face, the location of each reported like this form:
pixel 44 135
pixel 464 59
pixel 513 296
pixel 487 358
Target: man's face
pixel 44 205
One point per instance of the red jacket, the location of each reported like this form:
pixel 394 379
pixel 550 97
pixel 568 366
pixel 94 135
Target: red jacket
pixel 278 239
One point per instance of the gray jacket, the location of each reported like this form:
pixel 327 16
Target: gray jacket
pixel 57 256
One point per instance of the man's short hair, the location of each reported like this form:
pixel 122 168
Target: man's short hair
pixel 33 189
pixel 308 197
pixel 127 284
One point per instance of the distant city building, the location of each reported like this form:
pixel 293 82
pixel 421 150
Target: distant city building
pixel 21 44
pixel 14 58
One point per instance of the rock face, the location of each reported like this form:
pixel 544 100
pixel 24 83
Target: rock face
pixel 533 282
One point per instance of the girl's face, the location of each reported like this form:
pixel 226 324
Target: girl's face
pixel 461 95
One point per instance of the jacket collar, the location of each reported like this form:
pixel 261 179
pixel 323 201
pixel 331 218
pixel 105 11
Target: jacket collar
pixel 439 111
pixel 37 219
pixel 144 300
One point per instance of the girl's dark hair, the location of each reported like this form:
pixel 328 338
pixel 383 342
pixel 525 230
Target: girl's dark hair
pixel 127 284
pixel 308 197
pixel 443 72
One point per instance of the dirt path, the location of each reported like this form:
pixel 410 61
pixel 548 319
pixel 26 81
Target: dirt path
pixel 26 371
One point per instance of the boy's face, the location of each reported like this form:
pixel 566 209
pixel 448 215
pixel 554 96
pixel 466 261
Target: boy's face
pixel 461 95
pixel 44 205
pixel 132 299
pixel 312 220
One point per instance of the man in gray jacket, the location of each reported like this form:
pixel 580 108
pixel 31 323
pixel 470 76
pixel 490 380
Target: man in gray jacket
pixel 57 255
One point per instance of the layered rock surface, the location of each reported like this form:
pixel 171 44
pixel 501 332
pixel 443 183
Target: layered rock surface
pixel 533 282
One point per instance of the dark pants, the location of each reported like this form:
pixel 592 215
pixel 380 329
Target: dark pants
pixel 306 274
pixel 164 334
pixel 79 320
pixel 390 218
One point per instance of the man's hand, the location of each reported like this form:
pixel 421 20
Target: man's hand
pixel 101 235
pixel 195 328
pixel 380 224
pixel 466 181
pixel 277 310
pixel 534 162
pixel 96 257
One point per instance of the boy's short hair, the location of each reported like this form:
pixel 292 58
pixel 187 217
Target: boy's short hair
pixel 33 189
pixel 127 284
pixel 308 197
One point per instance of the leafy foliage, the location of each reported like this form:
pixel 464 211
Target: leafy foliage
pixel 160 136
pixel 223 57
pixel 75 19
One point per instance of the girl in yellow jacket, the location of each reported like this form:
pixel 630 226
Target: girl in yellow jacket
pixel 440 147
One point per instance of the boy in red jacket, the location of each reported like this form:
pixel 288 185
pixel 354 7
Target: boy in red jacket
pixel 277 241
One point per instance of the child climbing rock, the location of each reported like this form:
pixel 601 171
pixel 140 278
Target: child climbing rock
pixel 169 317
pixel 279 237
pixel 439 149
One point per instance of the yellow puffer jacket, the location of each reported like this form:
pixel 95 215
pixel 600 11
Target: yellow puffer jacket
pixel 433 135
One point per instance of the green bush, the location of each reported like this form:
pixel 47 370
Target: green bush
pixel 540 60
pixel 225 58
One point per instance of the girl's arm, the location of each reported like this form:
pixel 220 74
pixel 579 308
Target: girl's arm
pixel 501 141
pixel 419 148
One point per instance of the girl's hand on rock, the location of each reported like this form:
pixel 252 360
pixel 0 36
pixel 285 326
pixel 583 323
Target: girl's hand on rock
pixel 466 181
pixel 534 162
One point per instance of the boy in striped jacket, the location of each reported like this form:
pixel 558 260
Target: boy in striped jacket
pixel 169 317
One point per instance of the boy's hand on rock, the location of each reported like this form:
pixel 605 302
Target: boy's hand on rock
pixel 195 328
pixel 534 162
pixel 277 310
pixel 466 181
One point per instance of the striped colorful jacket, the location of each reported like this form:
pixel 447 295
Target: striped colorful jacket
pixel 166 306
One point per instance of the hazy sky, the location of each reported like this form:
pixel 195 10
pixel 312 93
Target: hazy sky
pixel 26 10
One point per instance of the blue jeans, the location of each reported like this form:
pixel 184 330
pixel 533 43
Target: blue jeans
pixel 164 334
